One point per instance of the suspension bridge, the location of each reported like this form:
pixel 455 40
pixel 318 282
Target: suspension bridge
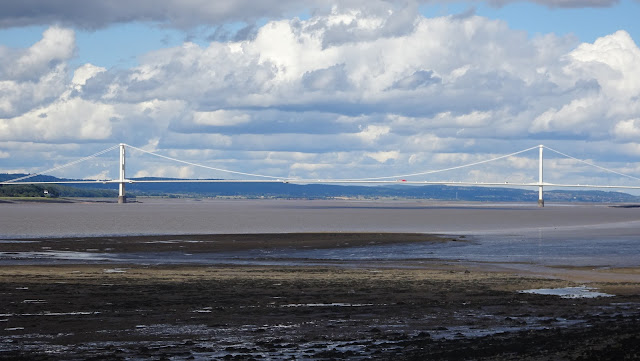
pixel 122 180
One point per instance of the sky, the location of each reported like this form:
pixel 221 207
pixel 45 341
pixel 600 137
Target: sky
pixel 322 89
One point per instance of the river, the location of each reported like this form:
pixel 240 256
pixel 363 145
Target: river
pixel 558 234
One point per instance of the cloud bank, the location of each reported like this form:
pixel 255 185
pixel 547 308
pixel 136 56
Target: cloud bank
pixel 192 13
pixel 342 94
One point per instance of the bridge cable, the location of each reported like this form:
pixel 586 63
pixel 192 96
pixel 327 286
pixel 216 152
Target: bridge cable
pixel 593 165
pixel 63 166
pixel 351 179
pixel 445 169
pixel 203 166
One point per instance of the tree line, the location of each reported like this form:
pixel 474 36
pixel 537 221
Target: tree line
pixel 52 190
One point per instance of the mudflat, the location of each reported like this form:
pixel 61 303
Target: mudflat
pixel 414 310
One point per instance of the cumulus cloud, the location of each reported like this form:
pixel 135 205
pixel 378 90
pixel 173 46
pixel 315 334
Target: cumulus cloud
pixel 612 61
pixel 65 120
pixel 36 75
pixel 298 98
pixel 298 72
pixel 84 73
pixel 605 72
pixel 56 46
pixel 36 101
pixel 628 130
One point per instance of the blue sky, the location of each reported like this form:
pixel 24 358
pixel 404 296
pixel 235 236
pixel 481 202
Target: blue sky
pixel 587 24
pixel 322 89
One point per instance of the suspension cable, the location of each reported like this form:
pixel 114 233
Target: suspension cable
pixel 359 179
pixel 289 178
pixel 593 165
pixel 203 166
pixel 445 169
pixel 64 165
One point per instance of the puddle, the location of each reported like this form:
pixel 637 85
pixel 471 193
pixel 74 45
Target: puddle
pixel 569 292
pixel 335 304
pixel 16 241
pixel 14 329
pixel 53 255
pixel 47 313
pixel 173 241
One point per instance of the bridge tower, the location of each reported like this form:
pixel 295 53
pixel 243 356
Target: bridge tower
pixel 121 195
pixel 540 197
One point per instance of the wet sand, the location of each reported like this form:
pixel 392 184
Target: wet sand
pixel 413 310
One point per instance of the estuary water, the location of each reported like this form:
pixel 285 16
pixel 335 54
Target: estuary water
pixel 558 234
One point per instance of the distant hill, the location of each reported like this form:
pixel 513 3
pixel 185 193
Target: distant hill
pixel 52 190
pixel 327 191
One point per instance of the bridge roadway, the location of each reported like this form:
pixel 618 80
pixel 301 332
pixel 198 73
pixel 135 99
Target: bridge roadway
pixel 122 180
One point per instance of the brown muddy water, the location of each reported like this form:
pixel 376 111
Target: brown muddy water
pixel 566 234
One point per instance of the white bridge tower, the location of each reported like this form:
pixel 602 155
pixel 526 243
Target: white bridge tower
pixel 122 198
pixel 540 182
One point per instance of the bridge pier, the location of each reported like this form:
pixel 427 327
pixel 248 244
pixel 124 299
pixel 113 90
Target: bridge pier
pixel 540 187
pixel 122 198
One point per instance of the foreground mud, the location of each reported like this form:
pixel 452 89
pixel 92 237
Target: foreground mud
pixel 431 310
pixel 82 312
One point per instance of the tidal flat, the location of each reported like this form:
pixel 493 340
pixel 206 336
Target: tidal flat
pixel 328 281
pixel 440 311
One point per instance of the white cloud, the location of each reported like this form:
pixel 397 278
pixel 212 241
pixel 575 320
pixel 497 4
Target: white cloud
pixel 166 171
pixel 57 45
pixel 383 157
pixel 309 166
pixel 65 120
pixel 612 60
pixel 371 133
pixel 576 117
pixel 394 87
pixel 101 175
pixel 17 97
pixel 220 118
pixel 627 129
pixel 84 73
pixel 604 93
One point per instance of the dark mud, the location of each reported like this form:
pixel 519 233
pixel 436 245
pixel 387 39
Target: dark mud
pixel 88 312
pixel 437 311
pixel 210 243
